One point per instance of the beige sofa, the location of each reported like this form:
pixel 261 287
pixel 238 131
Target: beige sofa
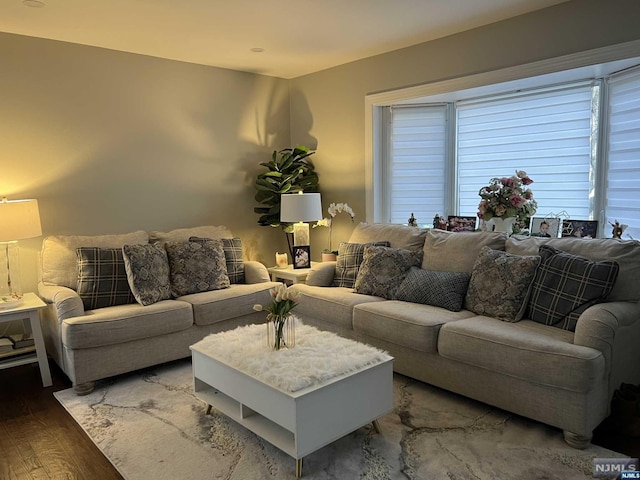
pixel 93 344
pixel 562 378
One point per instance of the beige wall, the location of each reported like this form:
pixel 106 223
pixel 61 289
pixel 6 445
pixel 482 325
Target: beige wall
pixel 111 142
pixel 329 105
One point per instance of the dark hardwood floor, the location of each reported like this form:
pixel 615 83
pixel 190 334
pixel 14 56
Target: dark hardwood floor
pixel 40 440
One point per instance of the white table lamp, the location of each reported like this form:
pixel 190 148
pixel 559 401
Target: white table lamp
pixel 19 219
pixel 298 208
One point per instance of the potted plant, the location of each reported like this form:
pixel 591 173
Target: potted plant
pixel 334 209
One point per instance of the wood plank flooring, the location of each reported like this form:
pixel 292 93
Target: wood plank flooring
pixel 40 440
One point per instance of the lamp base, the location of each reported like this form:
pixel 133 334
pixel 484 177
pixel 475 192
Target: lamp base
pixel 10 286
pixel 300 234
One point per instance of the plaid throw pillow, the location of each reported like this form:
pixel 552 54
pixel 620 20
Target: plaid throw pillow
pixel 350 257
pixel 566 285
pixel 102 278
pixel 233 256
pixel 429 287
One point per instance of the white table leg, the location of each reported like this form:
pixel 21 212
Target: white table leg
pixel 45 373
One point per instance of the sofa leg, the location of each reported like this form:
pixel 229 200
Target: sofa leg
pixel 84 388
pixel 574 440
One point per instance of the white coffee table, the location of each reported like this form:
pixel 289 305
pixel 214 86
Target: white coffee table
pixel 300 422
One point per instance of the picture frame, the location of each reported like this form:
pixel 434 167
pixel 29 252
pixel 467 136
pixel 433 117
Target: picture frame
pixel 301 256
pixel 548 227
pixel 580 228
pixel 458 223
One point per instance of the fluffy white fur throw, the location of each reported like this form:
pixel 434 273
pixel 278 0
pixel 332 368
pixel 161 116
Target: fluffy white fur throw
pixel 317 357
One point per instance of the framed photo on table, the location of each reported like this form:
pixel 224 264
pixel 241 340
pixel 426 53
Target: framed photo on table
pixel 302 256
pixel 461 224
pixel 580 228
pixel 545 227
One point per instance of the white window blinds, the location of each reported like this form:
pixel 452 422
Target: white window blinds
pixel 623 167
pixel 545 132
pixel 416 170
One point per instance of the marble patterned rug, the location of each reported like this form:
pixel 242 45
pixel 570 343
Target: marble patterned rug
pixel 150 425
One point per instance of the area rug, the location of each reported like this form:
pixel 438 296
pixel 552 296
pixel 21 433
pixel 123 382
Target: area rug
pixel 150 425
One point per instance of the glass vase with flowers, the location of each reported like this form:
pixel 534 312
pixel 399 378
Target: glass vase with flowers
pixel 280 321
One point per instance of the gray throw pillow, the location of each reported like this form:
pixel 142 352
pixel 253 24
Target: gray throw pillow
pixel 430 287
pixel 566 285
pixel 383 269
pixel 196 267
pixel 233 256
pixel 500 284
pixel 147 269
pixel 349 261
pixel 102 278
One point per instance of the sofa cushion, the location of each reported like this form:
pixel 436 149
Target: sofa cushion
pixel 349 260
pixel 196 267
pixel 125 323
pixel 625 252
pixel 383 269
pixel 500 284
pixel 566 285
pixel 220 305
pixel 147 269
pixel 102 278
pixel 526 350
pixel 214 232
pixel 398 236
pixel 59 259
pixel 233 257
pixel 429 287
pixel 457 252
pixel 410 325
pixel 331 305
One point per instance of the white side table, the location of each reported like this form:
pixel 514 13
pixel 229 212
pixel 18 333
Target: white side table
pixel 28 312
pixel 294 275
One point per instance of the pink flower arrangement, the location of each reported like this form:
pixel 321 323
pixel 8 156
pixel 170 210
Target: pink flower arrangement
pixel 506 197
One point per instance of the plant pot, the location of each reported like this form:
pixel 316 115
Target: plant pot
pixel 503 224
pixel 329 257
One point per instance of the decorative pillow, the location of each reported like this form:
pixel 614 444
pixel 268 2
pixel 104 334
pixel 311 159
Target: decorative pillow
pixel 566 285
pixel 233 256
pixel 430 287
pixel 348 263
pixel 147 269
pixel 196 267
pixel 452 252
pixel 102 278
pixel 500 284
pixel 383 269
pixel 215 232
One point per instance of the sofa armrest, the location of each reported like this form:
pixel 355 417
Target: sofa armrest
pixel 66 301
pixel 613 328
pixel 321 274
pixel 255 272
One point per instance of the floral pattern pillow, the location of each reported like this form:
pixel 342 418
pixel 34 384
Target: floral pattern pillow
pixel 384 269
pixel 500 284
pixel 147 269
pixel 196 267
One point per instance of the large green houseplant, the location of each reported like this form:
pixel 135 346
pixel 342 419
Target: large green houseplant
pixel 289 171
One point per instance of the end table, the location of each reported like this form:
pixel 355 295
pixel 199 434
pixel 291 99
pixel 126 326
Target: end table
pixel 294 275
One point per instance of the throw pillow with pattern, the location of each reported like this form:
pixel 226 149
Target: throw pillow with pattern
pixel 102 278
pixel 566 285
pixel 147 268
pixel 430 287
pixel 383 269
pixel 233 256
pixel 196 267
pixel 500 284
pixel 349 261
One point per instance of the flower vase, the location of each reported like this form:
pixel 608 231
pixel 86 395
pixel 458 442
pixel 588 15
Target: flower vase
pixel 503 224
pixel 281 332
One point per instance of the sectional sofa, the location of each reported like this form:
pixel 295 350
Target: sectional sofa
pixel 561 377
pixel 94 343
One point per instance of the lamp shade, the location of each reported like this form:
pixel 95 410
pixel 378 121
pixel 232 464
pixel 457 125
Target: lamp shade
pixel 19 219
pixel 300 207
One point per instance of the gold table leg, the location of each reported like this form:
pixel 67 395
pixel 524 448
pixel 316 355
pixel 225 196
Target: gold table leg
pixel 376 426
pixel 208 410
pixel 298 467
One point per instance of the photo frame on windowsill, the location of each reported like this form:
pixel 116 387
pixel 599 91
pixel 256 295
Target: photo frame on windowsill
pixel 548 227
pixel 457 223
pixel 301 256
pixel 580 228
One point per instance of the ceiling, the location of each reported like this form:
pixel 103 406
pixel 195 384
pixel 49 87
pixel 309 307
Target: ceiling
pixel 297 36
